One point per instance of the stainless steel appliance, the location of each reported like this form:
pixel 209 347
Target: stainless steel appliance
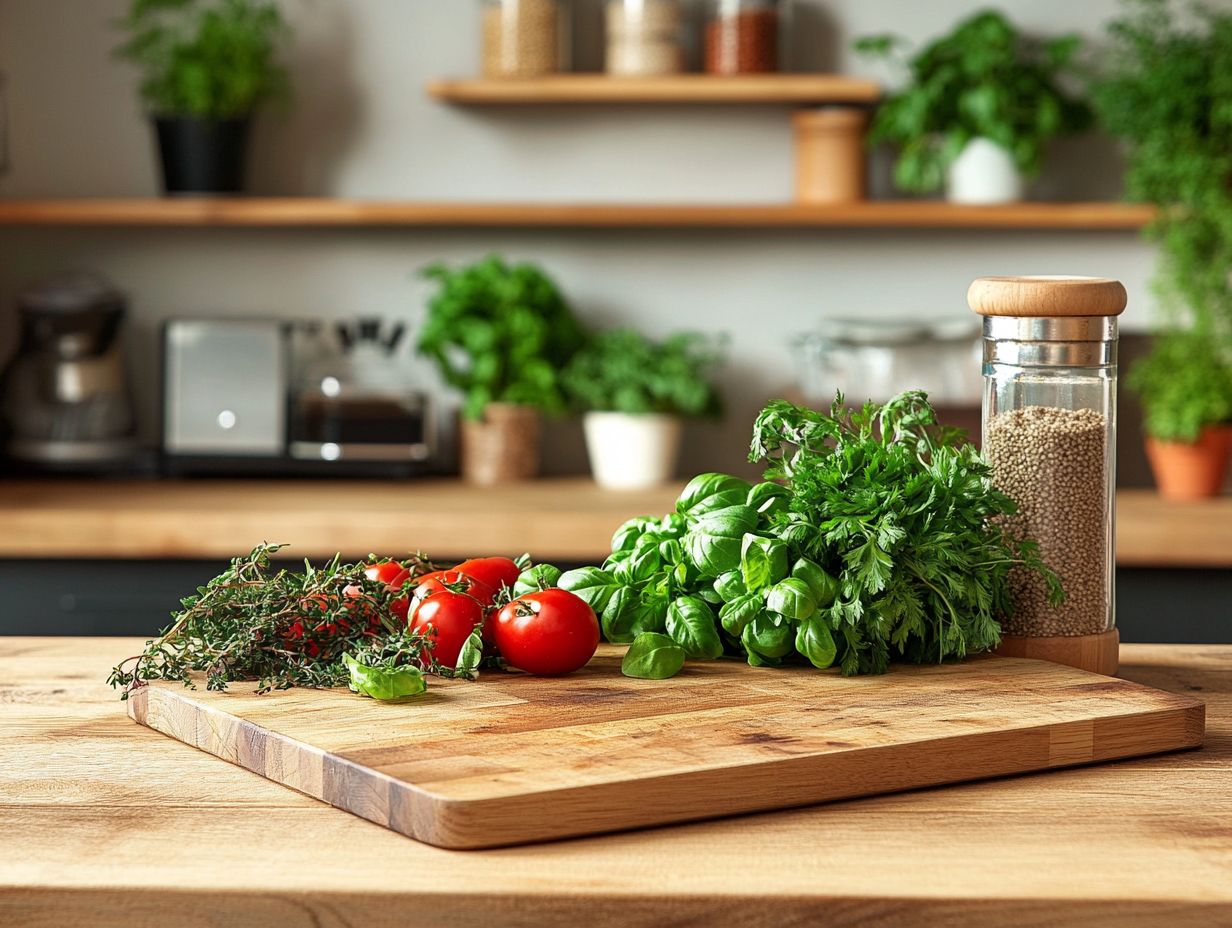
pixel 66 402
pixel 265 396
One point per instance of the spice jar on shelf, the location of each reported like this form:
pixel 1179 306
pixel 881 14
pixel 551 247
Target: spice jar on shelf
pixel 1049 429
pixel 645 37
pixel 525 38
pixel 742 36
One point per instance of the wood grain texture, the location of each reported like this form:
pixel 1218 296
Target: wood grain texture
pixel 514 759
pixel 119 826
pixel 665 89
pixel 1047 296
pixel 310 212
pixel 565 519
pixel 555 519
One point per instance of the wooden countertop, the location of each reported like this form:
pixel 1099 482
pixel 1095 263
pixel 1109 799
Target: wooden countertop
pixel 553 519
pixel 109 824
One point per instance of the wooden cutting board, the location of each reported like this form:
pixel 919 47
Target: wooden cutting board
pixel 511 759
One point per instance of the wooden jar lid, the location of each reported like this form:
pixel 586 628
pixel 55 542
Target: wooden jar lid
pixel 1047 296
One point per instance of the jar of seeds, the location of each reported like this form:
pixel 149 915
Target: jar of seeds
pixel 525 38
pixel 645 37
pixel 1049 430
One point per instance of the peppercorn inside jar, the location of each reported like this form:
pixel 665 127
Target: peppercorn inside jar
pixel 645 37
pixel 525 38
pixel 1049 434
pixel 742 36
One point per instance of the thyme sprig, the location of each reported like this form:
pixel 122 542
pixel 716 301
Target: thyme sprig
pixel 281 628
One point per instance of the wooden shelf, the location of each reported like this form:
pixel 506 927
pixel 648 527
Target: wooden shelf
pixel 324 212
pixel 798 89
pixel 569 519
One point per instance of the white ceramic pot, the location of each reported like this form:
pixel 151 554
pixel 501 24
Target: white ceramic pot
pixel 631 452
pixel 984 172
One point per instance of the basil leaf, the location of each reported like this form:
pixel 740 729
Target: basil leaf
pixel 763 561
pixel 534 579
pixel 471 655
pixel 739 612
pixel 382 684
pixel 652 657
pixel 704 486
pixel 757 660
pixel 768 498
pixel 814 641
pixel 617 557
pixel 592 584
pixel 824 587
pixel 691 624
pixel 721 500
pixel 766 638
pixel 673 524
pixel 619 616
pixel 792 599
pixel 730 585
pixel 671 551
pixel 650 615
pixel 627 535
pixel 639 567
pixel 713 543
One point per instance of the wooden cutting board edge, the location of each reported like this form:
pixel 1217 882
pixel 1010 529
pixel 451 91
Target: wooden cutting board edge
pixel 652 801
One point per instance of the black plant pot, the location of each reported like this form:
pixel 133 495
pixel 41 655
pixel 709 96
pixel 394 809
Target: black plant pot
pixel 202 155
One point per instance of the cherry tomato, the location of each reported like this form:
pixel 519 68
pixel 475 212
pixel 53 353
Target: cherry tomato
pixel 494 571
pixel 548 633
pixel 391 573
pixel 453 581
pixel 447 619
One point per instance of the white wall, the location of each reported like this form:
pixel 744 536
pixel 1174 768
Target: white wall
pixel 362 126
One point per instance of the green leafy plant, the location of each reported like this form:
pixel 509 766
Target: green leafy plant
pixel 1166 92
pixel 212 60
pixel 500 333
pixel 1185 384
pixel 877 535
pixel 623 371
pixel 984 79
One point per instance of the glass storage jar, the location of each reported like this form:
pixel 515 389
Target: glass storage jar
pixel 1049 432
pixel 645 37
pixel 742 36
pixel 525 38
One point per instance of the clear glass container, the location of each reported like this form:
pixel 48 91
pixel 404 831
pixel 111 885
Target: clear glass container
pixel 742 36
pixel 645 37
pixel 525 38
pixel 1049 432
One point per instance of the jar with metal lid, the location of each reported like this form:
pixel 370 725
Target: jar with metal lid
pixel 742 36
pixel 525 38
pixel 1049 431
pixel 645 37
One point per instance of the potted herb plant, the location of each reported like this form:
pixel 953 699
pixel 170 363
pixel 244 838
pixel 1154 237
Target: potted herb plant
pixel 634 393
pixel 1185 385
pixel 501 334
pixel 982 105
pixel 205 68
pixel 1165 93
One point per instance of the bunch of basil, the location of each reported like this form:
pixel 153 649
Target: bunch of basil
pixel 712 579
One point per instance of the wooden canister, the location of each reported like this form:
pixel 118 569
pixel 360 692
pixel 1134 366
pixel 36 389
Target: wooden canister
pixel 830 156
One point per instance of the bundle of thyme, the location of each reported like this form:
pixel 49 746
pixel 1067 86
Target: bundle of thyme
pixel 283 628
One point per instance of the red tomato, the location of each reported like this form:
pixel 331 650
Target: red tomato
pixel 452 581
pixel 447 619
pixel 548 633
pixel 391 573
pixel 494 571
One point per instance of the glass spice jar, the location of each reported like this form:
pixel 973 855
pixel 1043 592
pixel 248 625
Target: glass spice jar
pixel 1049 433
pixel 645 37
pixel 742 37
pixel 525 38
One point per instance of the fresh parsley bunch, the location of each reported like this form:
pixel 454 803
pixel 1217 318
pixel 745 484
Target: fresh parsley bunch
pixel 876 536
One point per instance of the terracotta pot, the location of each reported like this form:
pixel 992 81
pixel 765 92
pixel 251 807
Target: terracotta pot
pixel 503 447
pixel 830 155
pixel 1183 471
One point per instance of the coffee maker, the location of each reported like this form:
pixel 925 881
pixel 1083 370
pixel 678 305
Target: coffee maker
pixel 64 398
